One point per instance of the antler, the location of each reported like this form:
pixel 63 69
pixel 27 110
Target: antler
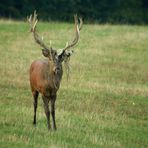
pixel 77 29
pixel 33 21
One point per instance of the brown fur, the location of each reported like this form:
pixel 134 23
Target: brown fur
pixel 45 78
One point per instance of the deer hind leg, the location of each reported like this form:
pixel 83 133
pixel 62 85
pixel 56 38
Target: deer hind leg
pixel 35 97
pixel 53 99
pixel 47 112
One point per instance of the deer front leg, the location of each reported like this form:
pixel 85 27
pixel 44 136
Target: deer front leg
pixel 53 99
pixel 35 97
pixel 47 112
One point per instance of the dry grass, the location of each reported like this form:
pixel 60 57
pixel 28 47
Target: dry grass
pixel 104 104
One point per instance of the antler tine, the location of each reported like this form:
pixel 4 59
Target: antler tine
pixel 34 16
pixel 33 22
pixel 81 24
pixel 29 18
pixel 77 29
pixel 29 21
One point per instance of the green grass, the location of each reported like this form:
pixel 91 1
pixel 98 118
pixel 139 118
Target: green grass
pixel 105 102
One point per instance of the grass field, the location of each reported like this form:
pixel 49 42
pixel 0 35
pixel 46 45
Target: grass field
pixel 105 102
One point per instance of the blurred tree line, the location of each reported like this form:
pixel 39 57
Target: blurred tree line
pixel 102 11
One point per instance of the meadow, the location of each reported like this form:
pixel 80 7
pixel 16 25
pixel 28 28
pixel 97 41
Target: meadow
pixel 103 104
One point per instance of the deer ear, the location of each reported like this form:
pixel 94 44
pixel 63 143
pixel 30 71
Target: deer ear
pixel 45 52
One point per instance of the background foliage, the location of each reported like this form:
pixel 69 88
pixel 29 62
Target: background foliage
pixel 102 11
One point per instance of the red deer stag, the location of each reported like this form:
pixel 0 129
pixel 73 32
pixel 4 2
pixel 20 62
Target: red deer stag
pixel 46 75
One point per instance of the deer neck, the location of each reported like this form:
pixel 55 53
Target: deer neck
pixel 55 78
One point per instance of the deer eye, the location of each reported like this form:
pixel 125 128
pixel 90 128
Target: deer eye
pixel 56 70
